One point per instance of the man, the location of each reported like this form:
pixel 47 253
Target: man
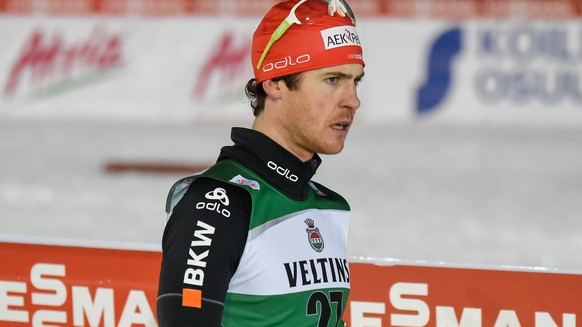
pixel 252 241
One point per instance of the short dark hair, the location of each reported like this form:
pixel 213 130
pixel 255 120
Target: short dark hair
pixel 257 95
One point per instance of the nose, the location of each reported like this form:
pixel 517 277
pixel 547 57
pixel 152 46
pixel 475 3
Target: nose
pixel 351 99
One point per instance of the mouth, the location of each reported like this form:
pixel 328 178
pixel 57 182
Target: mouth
pixel 342 126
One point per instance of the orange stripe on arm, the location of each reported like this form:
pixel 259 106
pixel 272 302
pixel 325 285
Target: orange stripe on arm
pixel 191 298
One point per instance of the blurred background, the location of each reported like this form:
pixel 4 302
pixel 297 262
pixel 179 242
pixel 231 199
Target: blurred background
pixel 467 148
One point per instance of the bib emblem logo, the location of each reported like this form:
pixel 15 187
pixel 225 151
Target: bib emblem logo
pixel 314 236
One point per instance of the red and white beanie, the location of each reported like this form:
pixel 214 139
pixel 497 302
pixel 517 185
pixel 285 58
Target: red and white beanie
pixel 301 35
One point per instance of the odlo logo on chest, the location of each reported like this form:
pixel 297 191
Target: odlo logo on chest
pixel 314 236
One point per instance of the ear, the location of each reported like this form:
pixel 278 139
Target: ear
pixel 272 88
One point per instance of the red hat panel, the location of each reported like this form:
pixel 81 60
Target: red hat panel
pixel 314 40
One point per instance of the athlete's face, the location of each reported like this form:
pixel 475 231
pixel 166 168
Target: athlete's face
pixel 319 112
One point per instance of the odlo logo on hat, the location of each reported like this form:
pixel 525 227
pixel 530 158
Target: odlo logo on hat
pixel 314 236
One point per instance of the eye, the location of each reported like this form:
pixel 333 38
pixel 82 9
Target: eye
pixel 332 80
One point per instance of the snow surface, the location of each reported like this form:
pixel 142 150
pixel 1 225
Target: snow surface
pixel 477 195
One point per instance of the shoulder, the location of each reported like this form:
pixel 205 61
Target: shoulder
pixel 210 204
pixel 327 194
pixel 223 175
pixel 218 196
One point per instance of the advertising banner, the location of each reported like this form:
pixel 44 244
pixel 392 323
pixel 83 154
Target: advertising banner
pixel 65 285
pixel 500 62
pixel 50 285
pixel 484 71
pixel 91 67
pixel 537 9
pixel 412 295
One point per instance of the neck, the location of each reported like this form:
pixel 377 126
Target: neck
pixel 279 134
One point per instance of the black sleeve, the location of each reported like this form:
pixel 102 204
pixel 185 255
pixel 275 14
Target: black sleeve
pixel 202 245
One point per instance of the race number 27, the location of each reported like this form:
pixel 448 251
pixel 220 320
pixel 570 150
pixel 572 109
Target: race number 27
pixel 325 307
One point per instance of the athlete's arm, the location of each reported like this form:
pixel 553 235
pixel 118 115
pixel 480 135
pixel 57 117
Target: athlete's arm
pixel 202 245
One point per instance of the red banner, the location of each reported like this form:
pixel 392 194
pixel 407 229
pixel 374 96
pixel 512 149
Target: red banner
pixel 47 285
pixel 53 285
pixel 441 296
pixel 539 9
